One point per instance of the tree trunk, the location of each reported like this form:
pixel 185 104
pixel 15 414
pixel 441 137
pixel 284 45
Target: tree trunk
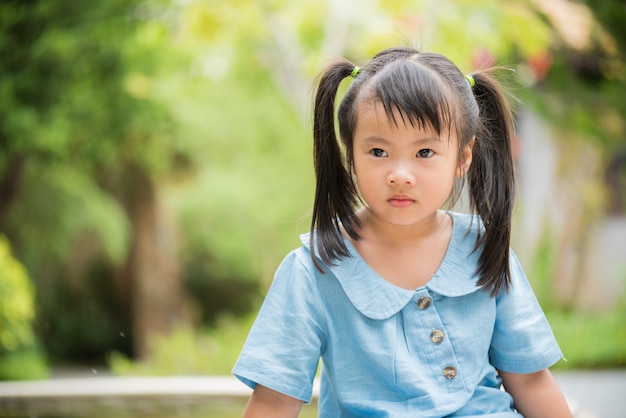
pixel 10 183
pixel 153 270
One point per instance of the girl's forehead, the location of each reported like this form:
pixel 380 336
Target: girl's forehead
pixel 420 103
pixel 374 124
pixel 374 111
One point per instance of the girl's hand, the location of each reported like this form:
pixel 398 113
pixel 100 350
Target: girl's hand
pixel 268 403
pixel 536 395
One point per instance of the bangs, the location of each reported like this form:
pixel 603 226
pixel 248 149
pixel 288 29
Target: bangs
pixel 415 94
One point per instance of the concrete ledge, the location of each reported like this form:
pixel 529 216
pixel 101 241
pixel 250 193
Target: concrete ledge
pixel 107 396
pixel 100 387
pixel 73 395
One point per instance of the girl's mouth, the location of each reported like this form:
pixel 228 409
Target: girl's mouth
pixel 401 201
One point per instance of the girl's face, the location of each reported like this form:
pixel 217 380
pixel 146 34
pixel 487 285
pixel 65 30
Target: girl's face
pixel 403 173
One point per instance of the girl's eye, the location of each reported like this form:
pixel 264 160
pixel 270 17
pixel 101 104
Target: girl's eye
pixel 377 152
pixel 425 153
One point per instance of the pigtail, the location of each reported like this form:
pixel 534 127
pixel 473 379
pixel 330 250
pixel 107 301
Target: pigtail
pixel 491 182
pixel 335 192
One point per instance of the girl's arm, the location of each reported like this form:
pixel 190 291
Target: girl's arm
pixel 536 395
pixel 268 403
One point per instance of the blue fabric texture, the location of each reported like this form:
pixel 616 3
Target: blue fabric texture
pixel 384 352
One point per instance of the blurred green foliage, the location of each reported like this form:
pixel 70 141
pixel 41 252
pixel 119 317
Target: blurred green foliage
pixel 575 330
pixel 577 334
pixel 584 88
pixel 19 354
pixel 244 209
pixel 17 310
pixel 189 351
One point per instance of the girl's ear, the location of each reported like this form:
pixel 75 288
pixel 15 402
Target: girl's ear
pixel 466 159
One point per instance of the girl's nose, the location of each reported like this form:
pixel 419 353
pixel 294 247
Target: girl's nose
pixel 400 174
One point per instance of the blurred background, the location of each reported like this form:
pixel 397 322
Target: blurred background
pixel 155 165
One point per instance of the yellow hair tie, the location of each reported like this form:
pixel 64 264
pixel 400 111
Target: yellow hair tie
pixel 470 80
pixel 355 72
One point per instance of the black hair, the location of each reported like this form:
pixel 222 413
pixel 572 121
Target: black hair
pixel 426 89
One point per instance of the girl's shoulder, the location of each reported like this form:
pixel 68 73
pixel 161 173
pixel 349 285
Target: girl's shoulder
pixel 467 228
pixel 467 221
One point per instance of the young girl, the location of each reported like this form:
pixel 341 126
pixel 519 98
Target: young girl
pixel 414 311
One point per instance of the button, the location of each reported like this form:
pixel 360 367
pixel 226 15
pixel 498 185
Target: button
pixel 449 372
pixel 436 336
pixel 423 302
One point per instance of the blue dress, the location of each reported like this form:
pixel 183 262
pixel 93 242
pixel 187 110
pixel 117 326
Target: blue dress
pixel 391 352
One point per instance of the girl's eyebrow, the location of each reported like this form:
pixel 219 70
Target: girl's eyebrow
pixel 377 140
pixel 426 140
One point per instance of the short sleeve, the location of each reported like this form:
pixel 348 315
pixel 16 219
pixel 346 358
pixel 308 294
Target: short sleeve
pixel 523 341
pixel 283 347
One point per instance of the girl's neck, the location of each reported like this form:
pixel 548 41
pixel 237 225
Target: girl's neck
pixel 406 256
pixel 401 235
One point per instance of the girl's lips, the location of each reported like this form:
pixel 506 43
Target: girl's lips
pixel 401 201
